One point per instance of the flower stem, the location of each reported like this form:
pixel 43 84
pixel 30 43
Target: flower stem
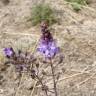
pixel 42 84
pixel 53 75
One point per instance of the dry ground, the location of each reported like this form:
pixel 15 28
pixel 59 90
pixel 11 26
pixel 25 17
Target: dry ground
pixel 76 36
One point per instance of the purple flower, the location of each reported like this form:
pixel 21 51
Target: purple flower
pixel 49 49
pixel 8 52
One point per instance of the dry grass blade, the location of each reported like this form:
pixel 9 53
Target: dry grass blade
pixel 20 80
pixel 79 73
pixel 32 92
pixel 24 34
pixel 87 79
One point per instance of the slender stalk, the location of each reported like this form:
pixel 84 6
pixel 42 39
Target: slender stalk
pixel 53 75
pixel 42 84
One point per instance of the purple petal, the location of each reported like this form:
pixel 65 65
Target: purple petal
pixel 8 51
pixel 49 49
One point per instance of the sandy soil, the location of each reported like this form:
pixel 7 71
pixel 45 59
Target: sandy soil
pixel 76 36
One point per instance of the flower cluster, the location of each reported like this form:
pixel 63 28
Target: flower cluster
pixel 21 60
pixel 47 44
pixel 8 52
pixel 26 62
pixel 48 49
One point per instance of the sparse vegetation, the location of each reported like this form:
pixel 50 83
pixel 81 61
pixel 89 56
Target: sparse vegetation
pixel 28 72
pixel 77 4
pixel 42 12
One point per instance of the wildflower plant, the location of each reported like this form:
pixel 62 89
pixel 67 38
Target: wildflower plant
pixel 21 60
pixel 48 47
pixel 26 61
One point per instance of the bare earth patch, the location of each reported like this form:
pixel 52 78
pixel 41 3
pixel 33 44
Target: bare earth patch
pixel 76 35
